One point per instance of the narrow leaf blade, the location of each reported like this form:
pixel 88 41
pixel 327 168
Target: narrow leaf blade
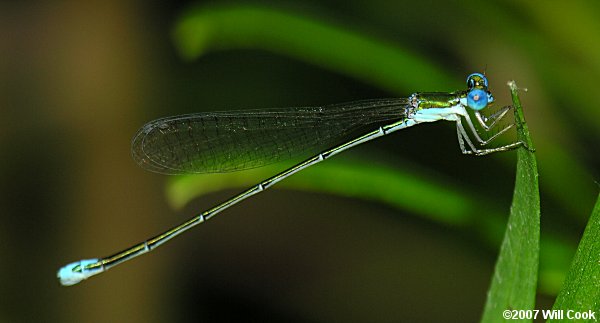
pixel 515 276
pixel 581 291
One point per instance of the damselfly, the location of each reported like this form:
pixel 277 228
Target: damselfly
pixel 212 142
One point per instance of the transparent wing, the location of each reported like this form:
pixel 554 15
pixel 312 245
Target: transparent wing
pixel 215 142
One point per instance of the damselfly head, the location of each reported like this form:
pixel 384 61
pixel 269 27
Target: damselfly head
pixel 478 96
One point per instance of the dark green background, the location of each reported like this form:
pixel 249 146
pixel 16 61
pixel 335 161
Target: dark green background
pixel 79 78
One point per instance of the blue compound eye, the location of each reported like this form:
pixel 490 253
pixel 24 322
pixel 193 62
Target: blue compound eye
pixel 477 80
pixel 477 99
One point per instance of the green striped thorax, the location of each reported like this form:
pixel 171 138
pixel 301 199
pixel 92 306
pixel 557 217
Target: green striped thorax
pixel 477 96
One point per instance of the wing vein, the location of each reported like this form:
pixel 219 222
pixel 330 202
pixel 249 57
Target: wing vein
pixel 236 140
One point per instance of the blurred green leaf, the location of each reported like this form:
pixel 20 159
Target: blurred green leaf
pixel 515 278
pixel 400 189
pixel 334 47
pixel 581 292
pixel 555 258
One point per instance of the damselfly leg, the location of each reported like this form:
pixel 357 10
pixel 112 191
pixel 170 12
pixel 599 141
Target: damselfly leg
pixel 470 148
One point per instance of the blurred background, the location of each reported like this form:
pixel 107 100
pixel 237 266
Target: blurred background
pixel 416 241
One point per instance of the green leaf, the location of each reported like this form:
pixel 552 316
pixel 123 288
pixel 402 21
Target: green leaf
pixel 295 35
pixel 581 291
pixel 400 189
pixel 515 276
